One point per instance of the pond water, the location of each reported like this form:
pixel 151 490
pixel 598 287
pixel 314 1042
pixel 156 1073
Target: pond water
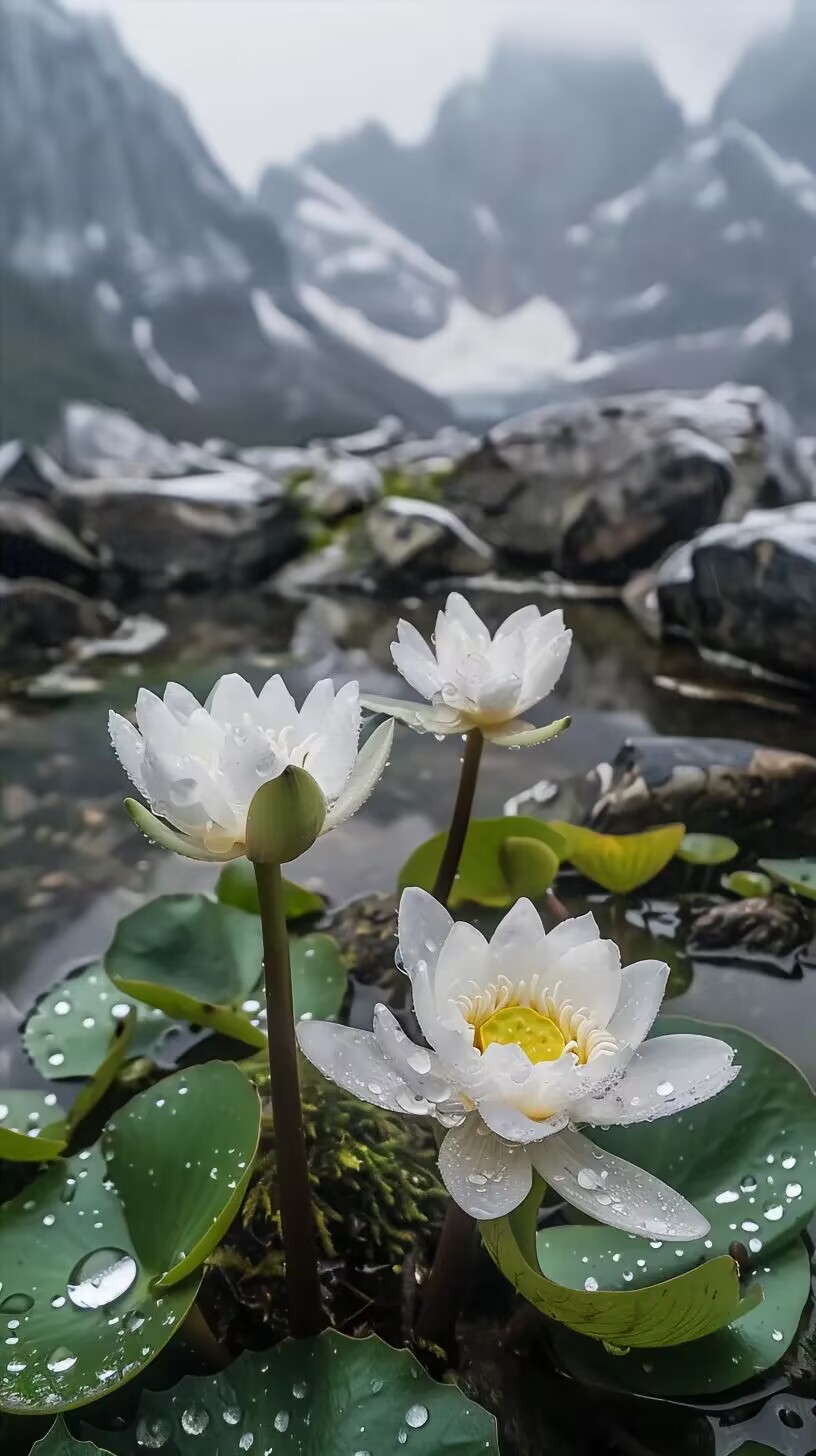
pixel 73 863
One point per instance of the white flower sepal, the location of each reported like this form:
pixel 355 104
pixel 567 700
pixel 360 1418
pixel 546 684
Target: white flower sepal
pixel 473 680
pixel 528 1036
pixel 199 768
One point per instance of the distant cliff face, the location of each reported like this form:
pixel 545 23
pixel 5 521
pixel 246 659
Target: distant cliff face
pixel 512 160
pixel 133 262
pixel 773 89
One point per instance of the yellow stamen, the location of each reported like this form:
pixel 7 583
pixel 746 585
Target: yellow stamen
pixel 537 1035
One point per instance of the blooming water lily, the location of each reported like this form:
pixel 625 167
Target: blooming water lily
pixel 473 680
pixel 529 1035
pixel 199 768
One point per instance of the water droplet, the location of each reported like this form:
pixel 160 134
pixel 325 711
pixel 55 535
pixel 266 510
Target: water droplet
pixel 793 1190
pixel 299 1389
pixel 133 1321
pixel 665 1089
pixel 232 1414
pixel 589 1179
pixel 61 1008
pixel 416 1416
pixel 755 1245
pixel 56 1059
pixel 477 1180
pixel 790 1418
pixel 628 1275
pixel 16 1367
pixel 773 1211
pixel 788 1161
pixel 729 1195
pixel 58 1301
pixel 120 1009
pixel 88 1022
pixel 777 1335
pixel 246 1442
pixel 591 1284
pixel 17 1304
pixel 100 1278
pixel 375 1386
pixel 750 1227
pixel 61 1360
pixel 281 1421
pixel 419 1061
pixel 194 1420
pixel 748 1184
pixel 153 1432
pixel 48 1220
pixel 3 1111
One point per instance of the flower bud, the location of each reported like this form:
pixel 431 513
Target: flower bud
pixel 285 817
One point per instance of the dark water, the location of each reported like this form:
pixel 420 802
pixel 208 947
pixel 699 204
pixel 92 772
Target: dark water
pixel 72 863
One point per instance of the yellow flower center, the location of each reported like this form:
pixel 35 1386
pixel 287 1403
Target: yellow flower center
pixel 537 1035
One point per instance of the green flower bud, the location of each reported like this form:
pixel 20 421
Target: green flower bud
pixel 285 817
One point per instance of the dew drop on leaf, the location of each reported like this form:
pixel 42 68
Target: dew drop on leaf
pixel 152 1432
pixel 100 1278
pixel 416 1416
pixel 281 1421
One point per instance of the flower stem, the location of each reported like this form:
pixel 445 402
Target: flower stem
pixel 447 1280
pixel 446 874
pixel 306 1316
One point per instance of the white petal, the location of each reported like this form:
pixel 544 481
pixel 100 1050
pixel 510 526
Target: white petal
pixel 232 700
pixel 354 1060
pixel 408 636
pixel 642 988
pixel 580 930
pixel 481 1173
pixel 365 775
pixel 542 671
pixel 415 660
pixel 420 1068
pixel 277 706
pixel 613 1191
pixel 317 706
pixel 424 926
pixel 518 733
pixel 507 1122
pixel 164 835
pixel 517 942
pixel 524 617
pixel 590 977
pixel 458 609
pixel 181 702
pixel 422 717
pixel 157 724
pixel 464 966
pixel 332 757
pixel 128 745
pixel 667 1074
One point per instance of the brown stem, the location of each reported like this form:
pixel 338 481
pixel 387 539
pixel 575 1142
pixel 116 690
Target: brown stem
pixel 556 907
pixel 446 874
pixel 200 1338
pixel 306 1316
pixel 447 1280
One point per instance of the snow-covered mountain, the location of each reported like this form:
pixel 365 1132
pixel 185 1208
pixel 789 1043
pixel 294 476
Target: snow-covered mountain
pixel 134 271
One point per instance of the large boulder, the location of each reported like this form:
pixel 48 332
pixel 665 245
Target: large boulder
pixel 95 442
pixel 748 589
pixel 34 542
pixel 597 490
pixel 412 541
pixel 203 539
pixel 37 617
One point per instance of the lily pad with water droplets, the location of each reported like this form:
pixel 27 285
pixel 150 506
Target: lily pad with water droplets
pixel 237 886
pixel 748 884
pixel 707 849
pixel 68 1032
pixel 33 1128
pixel 666 1312
pixel 498 864
pixel 192 958
pixel 328 1396
pixel 101 1256
pixel 619 863
pixel 798 874
pixel 60 1442
pixel 747 1160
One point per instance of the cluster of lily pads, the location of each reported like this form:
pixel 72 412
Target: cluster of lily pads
pixel 667 1253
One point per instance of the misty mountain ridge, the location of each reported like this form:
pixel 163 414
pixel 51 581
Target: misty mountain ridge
pixel 559 230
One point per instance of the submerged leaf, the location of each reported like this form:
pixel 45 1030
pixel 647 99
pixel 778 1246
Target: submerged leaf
pixel 619 863
pixel 490 873
pixel 331 1395
pixel 748 884
pixel 237 886
pixel 707 849
pixel 798 874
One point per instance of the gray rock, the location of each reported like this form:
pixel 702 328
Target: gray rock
pixel 39 616
pixel 33 542
pixel 411 540
pixel 158 542
pixel 28 471
pixel 96 443
pixel 340 484
pixel 749 590
pixel 600 489
pixel 712 785
pixel 778 924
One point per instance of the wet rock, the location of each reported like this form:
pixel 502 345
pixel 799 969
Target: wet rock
pixel 133 637
pixel 35 543
pixel 748 589
pixel 160 541
pixel 410 540
pixel 598 490
pixel 366 931
pixel 28 471
pixel 97 443
pixel 340 484
pixel 388 431
pixel 38 616
pixel 779 924
pixel 712 785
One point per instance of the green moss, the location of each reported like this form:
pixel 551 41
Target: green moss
pixel 417 487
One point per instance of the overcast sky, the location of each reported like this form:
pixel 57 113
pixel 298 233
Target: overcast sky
pixel 264 78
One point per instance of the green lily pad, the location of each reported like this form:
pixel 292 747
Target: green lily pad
pixel 747 1160
pixel 748 884
pixel 60 1442
pixel 330 1396
pixel 236 886
pixel 619 863
pixel 106 1073
pixel 798 874
pixel 319 977
pixel 707 849
pixel 193 959
pixel 33 1128
pixel 68 1031
pixel 668 1312
pixel 102 1254
pixel 496 853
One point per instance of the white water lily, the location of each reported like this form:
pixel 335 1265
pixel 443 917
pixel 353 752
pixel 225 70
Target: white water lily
pixel 199 767
pixel 473 680
pixel 529 1035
